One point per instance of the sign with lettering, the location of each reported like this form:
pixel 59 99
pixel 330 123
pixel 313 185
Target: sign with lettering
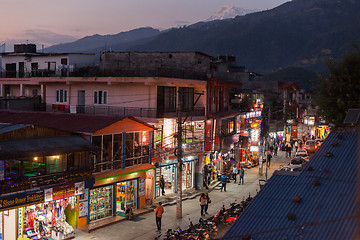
pixel 64 191
pixel 79 188
pixel 141 186
pixel 83 208
pixel 21 199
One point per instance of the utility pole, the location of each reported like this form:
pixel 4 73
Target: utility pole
pixel 179 168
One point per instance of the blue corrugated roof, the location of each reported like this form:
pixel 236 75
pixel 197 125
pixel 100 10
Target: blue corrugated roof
pixel 326 211
pixel 6 127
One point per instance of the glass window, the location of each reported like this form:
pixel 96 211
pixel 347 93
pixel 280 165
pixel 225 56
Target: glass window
pixel 100 97
pixel 61 95
pixel 107 148
pixel 129 145
pixel 55 164
pixel 117 146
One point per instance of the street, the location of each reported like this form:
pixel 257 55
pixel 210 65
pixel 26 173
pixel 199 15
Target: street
pixel 144 227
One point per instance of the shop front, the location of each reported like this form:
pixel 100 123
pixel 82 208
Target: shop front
pixel 124 188
pixel 169 170
pixel 50 213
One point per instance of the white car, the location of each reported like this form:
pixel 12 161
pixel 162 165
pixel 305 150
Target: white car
pixel 291 168
pixel 302 153
pixel 298 161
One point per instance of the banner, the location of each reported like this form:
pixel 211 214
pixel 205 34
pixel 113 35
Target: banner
pixel 21 199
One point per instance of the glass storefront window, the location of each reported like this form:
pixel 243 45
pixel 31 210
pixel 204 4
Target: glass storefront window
pixel 100 203
pixel 126 195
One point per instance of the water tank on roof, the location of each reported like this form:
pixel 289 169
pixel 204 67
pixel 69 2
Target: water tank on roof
pixel 25 48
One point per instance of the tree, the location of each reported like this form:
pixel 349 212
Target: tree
pixel 340 90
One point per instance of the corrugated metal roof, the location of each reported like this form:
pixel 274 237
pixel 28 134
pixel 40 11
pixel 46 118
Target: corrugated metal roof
pixel 326 210
pixel 80 123
pixel 7 127
pixel 44 146
pixel 352 116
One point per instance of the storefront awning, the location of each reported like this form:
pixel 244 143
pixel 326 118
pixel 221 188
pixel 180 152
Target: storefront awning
pixel 44 146
pixel 117 172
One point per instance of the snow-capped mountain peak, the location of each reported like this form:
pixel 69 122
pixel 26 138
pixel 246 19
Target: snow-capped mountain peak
pixel 227 11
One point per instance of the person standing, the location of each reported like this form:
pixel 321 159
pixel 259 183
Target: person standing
pixel 234 173
pixel 276 150
pixel 158 213
pixel 162 185
pixel 223 180
pixel 241 175
pixel 203 202
pixel 296 146
pixel 207 202
pixel 268 159
pixel 289 150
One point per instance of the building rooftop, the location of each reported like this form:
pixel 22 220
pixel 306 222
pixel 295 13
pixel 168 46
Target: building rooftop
pixel 79 123
pixel 320 203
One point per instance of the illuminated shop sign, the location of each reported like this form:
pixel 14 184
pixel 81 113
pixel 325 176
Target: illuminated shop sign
pixel 253 114
pixel 21 199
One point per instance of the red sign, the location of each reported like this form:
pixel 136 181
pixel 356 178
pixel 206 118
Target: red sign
pixel 63 191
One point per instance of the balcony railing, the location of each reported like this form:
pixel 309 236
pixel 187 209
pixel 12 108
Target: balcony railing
pixel 97 72
pixel 121 111
pixel 25 183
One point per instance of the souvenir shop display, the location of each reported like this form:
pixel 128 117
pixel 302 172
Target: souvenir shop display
pixel 48 220
pixel 100 203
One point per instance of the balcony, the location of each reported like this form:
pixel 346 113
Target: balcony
pixel 97 72
pixel 123 111
pixel 26 183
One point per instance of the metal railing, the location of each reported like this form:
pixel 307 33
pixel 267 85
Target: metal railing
pixel 98 72
pixel 122 111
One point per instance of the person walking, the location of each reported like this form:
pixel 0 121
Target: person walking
pixel 268 159
pixel 203 202
pixel 289 149
pixel 223 180
pixel 234 173
pixel 158 214
pixel 207 202
pixel 162 185
pixel 296 144
pixel 276 150
pixel 241 175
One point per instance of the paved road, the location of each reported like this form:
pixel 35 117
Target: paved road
pixel 145 228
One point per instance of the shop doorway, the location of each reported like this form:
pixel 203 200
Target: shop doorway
pixel 169 176
pixel 126 196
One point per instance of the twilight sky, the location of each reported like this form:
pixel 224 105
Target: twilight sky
pixel 51 22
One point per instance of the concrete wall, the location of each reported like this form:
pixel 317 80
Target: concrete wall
pixel 151 60
pixel 10 226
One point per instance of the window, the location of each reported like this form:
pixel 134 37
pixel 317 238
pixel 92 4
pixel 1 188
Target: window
pixel 166 99
pixel 64 61
pixel 34 92
pixel 61 95
pixel 186 97
pixel 100 97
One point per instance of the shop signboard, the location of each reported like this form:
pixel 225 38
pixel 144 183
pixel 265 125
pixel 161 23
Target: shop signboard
pixel 20 222
pixel 79 188
pixel 61 192
pixel 21 199
pixel 141 187
pixel 83 208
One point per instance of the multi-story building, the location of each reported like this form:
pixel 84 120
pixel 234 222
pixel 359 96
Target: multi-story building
pixel 123 168
pixel 153 87
pixel 45 176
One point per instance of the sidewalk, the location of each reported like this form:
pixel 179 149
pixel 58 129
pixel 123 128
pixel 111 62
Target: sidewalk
pixel 143 227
